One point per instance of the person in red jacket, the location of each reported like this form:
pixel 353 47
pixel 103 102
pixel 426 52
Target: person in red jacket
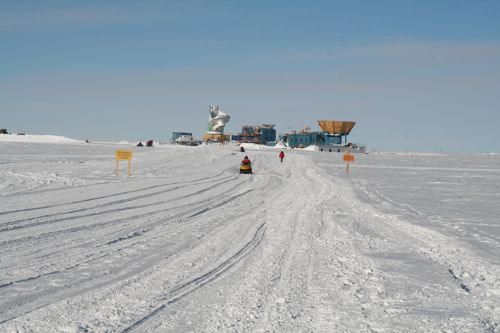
pixel 282 156
pixel 246 161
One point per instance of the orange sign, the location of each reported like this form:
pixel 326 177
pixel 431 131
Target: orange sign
pixel 348 157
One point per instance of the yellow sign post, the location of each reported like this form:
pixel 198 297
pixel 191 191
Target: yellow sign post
pixel 348 157
pixel 121 155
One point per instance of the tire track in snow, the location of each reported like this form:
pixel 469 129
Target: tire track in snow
pixel 24 223
pixel 288 289
pixel 419 220
pixel 185 218
pixel 191 211
pixel 190 286
pixel 139 216
pixel 5 226
pixel 272 182
pixel 69 293
pixel 400 229
pixel 190 182
pixel 180 217
pixel 269 290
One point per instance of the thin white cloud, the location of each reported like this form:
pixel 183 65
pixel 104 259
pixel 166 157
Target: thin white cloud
pixel 438 50
pixel 400 51
pixel 64 15
pixel 56 15
pixel 51 17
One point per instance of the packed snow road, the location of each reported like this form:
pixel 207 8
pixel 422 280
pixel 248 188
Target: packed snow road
pixel 189 244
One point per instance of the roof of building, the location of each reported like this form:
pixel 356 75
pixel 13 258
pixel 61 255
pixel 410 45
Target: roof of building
pixel 336 127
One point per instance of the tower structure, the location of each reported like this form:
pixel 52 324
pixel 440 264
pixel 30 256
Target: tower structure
pixel 217 120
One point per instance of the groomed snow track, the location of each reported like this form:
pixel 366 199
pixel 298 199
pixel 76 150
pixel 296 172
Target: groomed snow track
pixel 188 244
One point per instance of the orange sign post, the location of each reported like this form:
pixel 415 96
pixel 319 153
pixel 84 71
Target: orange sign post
pixel 121 155
pixel 348 157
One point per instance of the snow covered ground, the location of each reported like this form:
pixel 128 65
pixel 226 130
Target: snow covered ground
pixel 402 243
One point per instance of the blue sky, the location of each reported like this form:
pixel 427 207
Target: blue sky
pixel 414 75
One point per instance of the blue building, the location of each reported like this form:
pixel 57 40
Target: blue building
pixel 267 134
pixel 313 138
pixel 235 137
pixel 333 133
pixel 261 134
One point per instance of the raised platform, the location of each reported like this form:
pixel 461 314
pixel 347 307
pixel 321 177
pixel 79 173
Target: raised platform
pixel 215 137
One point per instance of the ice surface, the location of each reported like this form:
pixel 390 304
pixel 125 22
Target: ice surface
pixel 401 243
pixel 32 138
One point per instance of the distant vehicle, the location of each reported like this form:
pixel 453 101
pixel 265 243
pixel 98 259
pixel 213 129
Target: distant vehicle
pixel 149 143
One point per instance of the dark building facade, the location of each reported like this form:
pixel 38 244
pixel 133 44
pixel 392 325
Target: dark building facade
pixel 261 134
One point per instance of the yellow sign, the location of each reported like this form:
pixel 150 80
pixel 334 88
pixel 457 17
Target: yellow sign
pixel 123 155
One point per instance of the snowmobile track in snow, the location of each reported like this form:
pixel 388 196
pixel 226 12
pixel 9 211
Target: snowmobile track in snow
pixel 12 224
pixel 24 223
pixel 189 287
pixel 290 249
pixel 207 180
pixel 180 217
